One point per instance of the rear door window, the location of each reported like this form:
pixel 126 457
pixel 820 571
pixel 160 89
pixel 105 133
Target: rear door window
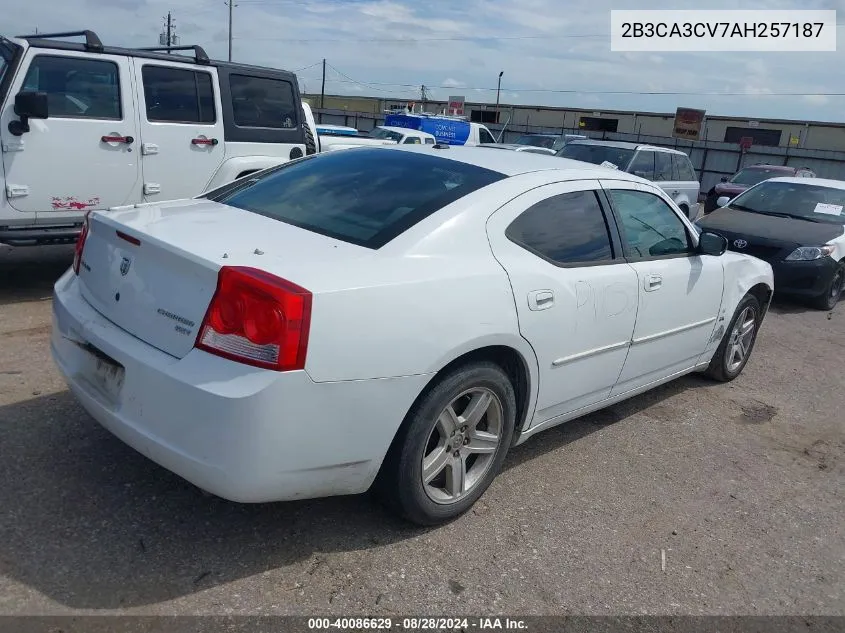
pixel 565 229
pixel 176 95
pixel 663 166
pixel 643 165
pixel 685 169
pixel 365 197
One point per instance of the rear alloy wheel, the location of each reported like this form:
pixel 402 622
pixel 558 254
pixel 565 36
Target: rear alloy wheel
pixel 834 291
pixel 451 446
pixel 735 349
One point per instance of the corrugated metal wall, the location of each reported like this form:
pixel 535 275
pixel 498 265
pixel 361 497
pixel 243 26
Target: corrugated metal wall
pixel 711 159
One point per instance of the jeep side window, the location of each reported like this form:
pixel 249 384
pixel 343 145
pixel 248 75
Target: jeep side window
pixel 176 95
pixel 643 165
pixel 76 88
pixel 262 102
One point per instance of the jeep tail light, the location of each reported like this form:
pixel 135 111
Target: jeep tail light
pixel 80 244
pixel 258 319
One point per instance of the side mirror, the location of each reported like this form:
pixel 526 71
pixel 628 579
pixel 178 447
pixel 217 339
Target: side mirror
pixel 28 105
pixel 723 201
pixel 712 244
pixel 724 179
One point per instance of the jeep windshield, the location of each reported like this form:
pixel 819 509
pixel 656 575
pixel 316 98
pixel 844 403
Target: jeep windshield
pixel 597 154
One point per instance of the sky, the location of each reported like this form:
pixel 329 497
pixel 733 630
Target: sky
pixel 552 52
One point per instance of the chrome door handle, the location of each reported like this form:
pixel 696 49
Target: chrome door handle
pixel 540 299
pixel 652 282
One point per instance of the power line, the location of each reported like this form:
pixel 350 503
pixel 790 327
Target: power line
pixel 299 70
pixel 601 92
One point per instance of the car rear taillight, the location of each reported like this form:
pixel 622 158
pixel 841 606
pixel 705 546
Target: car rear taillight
pixel 258 319
pixel 80 244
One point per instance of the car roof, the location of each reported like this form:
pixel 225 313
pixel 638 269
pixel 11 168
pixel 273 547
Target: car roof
pixel 818 182
pixel 516 163
pixel 624 145
pixel 783 168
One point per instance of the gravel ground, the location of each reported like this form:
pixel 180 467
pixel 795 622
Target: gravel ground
pixel 740 485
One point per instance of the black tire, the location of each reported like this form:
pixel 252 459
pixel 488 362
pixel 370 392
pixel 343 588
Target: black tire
pixel 310 142
pixel 831 296
pixel 400 481
pixel 710 203
pixel 721 367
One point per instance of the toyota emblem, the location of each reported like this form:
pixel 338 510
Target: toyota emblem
pixel 124 266
pixel 740 243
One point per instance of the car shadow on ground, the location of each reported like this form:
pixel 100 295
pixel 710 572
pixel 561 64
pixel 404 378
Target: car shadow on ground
pixel 28 273
pixel 92 524
pixel 784 304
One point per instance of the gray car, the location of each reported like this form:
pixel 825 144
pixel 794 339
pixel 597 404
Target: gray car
pixel 669 169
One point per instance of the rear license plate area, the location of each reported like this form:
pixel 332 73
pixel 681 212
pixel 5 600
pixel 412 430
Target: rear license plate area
pixel 103 373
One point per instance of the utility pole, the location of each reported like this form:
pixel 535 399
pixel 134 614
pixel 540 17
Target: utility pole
pixel 498 90
pixel 231 4
pixel 168 35
pixel 323 89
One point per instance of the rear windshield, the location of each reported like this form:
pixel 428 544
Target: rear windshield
pixel 598 154
pixel 362 196
pixel 387 135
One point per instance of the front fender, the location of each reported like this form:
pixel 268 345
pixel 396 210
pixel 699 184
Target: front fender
pixel 742 273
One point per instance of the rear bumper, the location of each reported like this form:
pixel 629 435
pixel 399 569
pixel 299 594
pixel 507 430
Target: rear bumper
pixel 805 279
pixel 244 434
pixel 39 235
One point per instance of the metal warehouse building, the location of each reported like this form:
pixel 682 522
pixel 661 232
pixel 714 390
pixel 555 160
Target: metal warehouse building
pixel 815 144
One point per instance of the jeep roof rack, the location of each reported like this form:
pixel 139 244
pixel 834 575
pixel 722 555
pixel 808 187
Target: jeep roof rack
pixel 92 41
pixel 200 55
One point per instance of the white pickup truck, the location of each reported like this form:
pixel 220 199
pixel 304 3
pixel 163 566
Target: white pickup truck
pixel 334 137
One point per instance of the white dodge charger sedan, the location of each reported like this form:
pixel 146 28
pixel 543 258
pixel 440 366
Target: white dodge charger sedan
pixel 394 318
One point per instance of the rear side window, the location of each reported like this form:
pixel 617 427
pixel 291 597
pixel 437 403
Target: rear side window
pixel 565 229
pixel 175 95
pixel 76 87
pixel 365 197
pixel 682 168
pixel 429 141
pixel 262 102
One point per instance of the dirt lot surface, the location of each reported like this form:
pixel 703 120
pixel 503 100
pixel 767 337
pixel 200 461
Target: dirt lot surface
pixel 740 486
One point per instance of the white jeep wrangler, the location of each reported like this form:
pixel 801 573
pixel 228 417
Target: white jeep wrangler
pixel 87 127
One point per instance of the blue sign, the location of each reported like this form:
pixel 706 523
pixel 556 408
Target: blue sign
pixel 446 131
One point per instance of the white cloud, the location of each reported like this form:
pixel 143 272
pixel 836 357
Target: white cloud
pixel 452 83
pixel 562 56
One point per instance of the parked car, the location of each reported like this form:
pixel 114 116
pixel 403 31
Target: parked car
pixel 749 176
pixel 87 127
pixel 552 142
pixel 448 130
pixel 381 135
pixel 668 168
pixel 285 336
pixel 795 224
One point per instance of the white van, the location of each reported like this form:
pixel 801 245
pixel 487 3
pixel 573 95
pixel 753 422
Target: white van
pixel 85 127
